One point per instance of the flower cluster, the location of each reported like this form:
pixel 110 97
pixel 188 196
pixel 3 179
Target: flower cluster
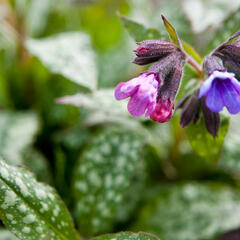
pixel 153 92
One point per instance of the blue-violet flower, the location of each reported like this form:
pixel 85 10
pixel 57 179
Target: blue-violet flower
pixel 221 89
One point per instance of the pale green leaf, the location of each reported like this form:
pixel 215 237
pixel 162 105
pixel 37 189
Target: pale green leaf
pixel 37 16
pixel 32 210
pixel 17 132
pixel 6 235
pixel 231 150
pixel 190 211
pixel 69 54
pixel 127 236
pixel 102 107
pixel 203 143
pixel 138 31
pixel 103 177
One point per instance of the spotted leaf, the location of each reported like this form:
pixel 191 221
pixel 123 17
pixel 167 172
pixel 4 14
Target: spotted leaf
pixel 75 61
pixel 190 211
pixel 127 236
pixel 17 131
pixel 6 235
pixel 31 210
pixel 103 177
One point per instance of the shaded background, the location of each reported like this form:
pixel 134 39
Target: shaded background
pixel 114 172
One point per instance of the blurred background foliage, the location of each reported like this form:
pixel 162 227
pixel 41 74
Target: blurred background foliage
pixel 115 172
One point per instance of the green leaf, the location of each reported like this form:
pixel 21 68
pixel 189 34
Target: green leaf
pixel 192 52
pixel 102 107
pixel 231 25
pixel 103 177
pixel 138 31
pixel 37 163
pixel 17 132
pixel 203 143
pixel 37 16
pixel 190 211
pixel 229 160
pixel 6 235
pixel 68 54
pixel 172 32
pixel 32 210
pixel 127 236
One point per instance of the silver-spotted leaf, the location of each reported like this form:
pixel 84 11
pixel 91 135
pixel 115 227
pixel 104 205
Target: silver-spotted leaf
pixel 102 107
pixel 103 177
pixel 127 236
pixel 68 54
pixel 229 160
pixel 6 235
pixel 190 211
pixel 17 132
pixel 32 210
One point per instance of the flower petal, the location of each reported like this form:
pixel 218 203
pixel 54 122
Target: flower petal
pixel 214 99
pixel 231 96
pixel 124 90
pixel 137 105
pixel 150 107
pixel 206 86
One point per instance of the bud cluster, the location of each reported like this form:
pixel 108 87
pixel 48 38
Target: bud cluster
pixel 154 91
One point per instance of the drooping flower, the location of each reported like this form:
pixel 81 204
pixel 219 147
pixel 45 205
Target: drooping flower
pixel 143 92
pixel 221 89
pixel 153 92
pixel 167 93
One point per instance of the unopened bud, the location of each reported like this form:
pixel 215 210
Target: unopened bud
pixel 152 50
pixel 211 119
pixel 190 111
pixel 211 64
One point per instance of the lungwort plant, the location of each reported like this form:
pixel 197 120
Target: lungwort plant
pixel 86 153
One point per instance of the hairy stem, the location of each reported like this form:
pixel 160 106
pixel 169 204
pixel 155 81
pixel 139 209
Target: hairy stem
pixel 194 64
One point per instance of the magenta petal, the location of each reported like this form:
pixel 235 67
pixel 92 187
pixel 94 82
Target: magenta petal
pixel 231 97
pixel 214 99
pixel 137 105
pixel 124 90
pixel 150 108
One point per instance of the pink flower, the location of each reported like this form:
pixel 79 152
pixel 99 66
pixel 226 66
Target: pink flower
pixel 163 111
pixel 142 91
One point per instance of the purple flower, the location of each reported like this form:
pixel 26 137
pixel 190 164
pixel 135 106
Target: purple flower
pixel 143 92
pixel 221 89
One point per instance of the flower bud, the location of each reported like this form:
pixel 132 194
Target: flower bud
pixel 211 119
pixel 232 66
pixel 212 63
pixel 171 75
pixel 152 50
pixel 190 110
pixel 230 51
pixel 163 111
